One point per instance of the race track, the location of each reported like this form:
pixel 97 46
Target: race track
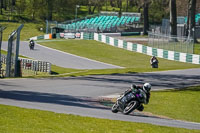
pixel 59 58
pixel 79 95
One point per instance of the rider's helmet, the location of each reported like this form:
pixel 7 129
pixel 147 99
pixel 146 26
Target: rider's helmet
pixel 147 87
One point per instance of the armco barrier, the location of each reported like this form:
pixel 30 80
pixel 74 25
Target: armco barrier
pixel 166 54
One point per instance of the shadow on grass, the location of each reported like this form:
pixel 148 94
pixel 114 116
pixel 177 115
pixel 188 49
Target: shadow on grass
pixel 54 73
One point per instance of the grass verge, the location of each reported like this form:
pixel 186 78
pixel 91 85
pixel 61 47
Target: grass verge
pixel 18 120
pixel 132 61
pixel 182 104
pixel 197 48
pixel 29 30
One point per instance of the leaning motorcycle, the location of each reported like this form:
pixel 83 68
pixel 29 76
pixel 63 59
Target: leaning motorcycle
pixel 129 102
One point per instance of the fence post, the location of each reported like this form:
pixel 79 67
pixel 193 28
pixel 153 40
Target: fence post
pixel 49 69
pixel 35 67
pixel 17 65
pixel 1 36
pixel 9 54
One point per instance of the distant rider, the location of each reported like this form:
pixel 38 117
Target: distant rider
pixel 154 62
pixel 31 44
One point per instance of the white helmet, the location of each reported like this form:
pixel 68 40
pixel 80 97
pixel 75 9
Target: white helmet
pixel 147 87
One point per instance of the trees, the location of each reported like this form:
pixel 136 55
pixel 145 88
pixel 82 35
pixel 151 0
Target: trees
pixel 158 10
pixel 49 9
pixel 173 18
pixel 119 3
pixel 127 4
pixel 146 16
pixel 60 10
pixel 191 19
pixel 92 4
pixel 1 7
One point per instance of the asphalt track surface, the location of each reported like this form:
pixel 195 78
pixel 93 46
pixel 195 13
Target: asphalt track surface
pixel 59 58
pixel 79 95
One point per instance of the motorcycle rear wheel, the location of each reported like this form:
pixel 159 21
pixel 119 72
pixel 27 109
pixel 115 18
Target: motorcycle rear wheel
pixel 115 108
pixel 130 107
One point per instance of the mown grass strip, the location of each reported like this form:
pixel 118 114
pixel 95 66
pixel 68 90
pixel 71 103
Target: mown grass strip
pixel 18 120
pixel 182 104
pixel 29 30
pixel 112 55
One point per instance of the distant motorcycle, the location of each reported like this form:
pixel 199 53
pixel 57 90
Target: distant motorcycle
pixel 154 64
pixel 31 45
pixel 129 102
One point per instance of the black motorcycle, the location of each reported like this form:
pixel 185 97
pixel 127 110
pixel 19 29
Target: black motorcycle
pixel 154 64
pixel 31 45
pixel 129 102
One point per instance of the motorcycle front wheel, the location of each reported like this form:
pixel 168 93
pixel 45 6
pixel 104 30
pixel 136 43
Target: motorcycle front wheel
pixel 115 108
pixel 132 105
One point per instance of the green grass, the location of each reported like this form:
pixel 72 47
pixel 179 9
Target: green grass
pixel 132 61
pixel 197 48
pixel 3 52
pixel 182 104
pixel 18 120
pixel 59 70
pixel 29 30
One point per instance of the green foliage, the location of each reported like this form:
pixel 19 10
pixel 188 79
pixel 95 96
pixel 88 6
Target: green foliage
pixel 158 11
pixel 62 10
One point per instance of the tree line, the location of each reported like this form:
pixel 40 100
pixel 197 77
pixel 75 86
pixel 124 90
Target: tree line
pixel 153 11
pixel 65 9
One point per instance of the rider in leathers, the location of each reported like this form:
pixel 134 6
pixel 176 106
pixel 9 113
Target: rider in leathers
pixel 31 44
pixel 141 91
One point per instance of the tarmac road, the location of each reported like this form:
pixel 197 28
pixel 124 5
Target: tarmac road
pixel 78 95
pixel 59 58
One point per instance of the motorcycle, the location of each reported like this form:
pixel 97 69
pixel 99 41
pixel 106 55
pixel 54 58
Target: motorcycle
pixel 31 45
pixel 154 63
pixel 129 102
